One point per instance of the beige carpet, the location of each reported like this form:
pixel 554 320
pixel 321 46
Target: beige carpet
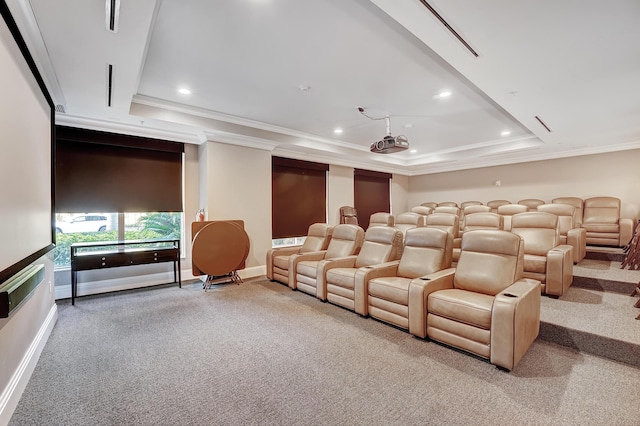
pixel 259 353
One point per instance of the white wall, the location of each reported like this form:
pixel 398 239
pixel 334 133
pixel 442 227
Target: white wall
pixel 22 337
pixel 613 174
pixel 339 192
pixel 399 194
pixel 237 185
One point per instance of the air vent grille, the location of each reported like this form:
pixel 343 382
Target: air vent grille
pixel 449 28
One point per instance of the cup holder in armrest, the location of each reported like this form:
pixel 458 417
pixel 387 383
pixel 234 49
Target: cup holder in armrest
pixel 509 295
pixel 425 279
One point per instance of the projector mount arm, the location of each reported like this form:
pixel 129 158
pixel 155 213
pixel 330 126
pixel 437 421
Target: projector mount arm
pixel 386 118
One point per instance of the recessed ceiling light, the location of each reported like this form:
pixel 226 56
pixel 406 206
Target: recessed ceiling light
pixel 184 91
pixel 443 94
pixel 408 125
pixel 304 87
pixel 413 151
pixel 505 133
pixel 337 131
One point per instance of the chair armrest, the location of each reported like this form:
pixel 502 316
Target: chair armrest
pixel 515 322
pixel 559 270
pixel 419 291
pixel 314 256
pixel 279 251
pixel 626 231
pixel 324 266
pixel 577 238
pixel 361 284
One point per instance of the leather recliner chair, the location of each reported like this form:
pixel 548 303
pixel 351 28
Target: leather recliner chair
pixel 381 219
pixel 494 204
pixel 346 240
pixel 409 220
pixel 337 276
pixel 486 220
pixel 570 234
pixel 545 259
pixel 476 208
pixel 508 210
pixel 577 203
pixel 430 204
pixel 470 203
pixel 422 210
pixel 391 296
pixel 447 221
pixel 318 237
pixel 601 218
pixel 348 214
pixel 484 305
pixel 531 203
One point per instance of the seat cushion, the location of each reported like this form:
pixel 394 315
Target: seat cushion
pixel 281 262
pixel 533 263
pixel 393 289
pixel 462 306
pixel 342 277
pixel 307 268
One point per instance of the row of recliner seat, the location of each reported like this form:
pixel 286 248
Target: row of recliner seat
pixel 485 305
pixel 599 216
pixel 550 247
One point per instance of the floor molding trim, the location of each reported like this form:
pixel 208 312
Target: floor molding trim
pixel 13 391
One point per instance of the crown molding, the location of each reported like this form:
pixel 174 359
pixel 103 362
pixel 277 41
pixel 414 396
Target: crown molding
pixel 126 128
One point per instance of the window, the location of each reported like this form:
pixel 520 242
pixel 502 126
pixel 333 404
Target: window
pixel 372 194
pixel 89 227
pixel 122 187
pixel 299 196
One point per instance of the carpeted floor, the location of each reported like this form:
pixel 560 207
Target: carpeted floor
pixel 259 353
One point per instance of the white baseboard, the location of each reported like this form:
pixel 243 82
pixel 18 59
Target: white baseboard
pixel 13 391
pixel 128 283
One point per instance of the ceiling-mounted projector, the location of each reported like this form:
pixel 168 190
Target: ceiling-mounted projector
pixel 389 144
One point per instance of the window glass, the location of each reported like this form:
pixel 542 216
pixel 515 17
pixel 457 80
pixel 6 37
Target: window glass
pixel 90 227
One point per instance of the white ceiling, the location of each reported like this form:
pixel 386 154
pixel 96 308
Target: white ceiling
pixel 574 64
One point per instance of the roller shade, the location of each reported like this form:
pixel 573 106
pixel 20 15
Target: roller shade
pixel 372 194
pixel 100 171
pixel 299 194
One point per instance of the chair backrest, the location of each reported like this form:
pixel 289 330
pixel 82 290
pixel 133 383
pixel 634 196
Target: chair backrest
pixel 483 220
pixel 348 214
pixel 476 208
pixel 409 220
pixel 448 221
pixel 318 237
pixel 430 204
pixel 531 203
pixel 426 250
pixel 447 209
pixel 508 210
pixel 381 219
pixel 422 210
pixel 539 231
pixel 494 204
pixel 564 213
pixel 381 244
pixel 470 203
pixel 601 210
pixel 447 204
pixel 346 240
pixel 575 202
pixel 490 261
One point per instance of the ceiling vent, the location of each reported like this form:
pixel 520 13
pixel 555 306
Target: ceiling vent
pixel 449 28
pixel 543 124
pixel 60 108
pixel 112 8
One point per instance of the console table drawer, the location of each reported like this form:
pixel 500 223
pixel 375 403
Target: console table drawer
pixel 97 261
pixel 166 255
